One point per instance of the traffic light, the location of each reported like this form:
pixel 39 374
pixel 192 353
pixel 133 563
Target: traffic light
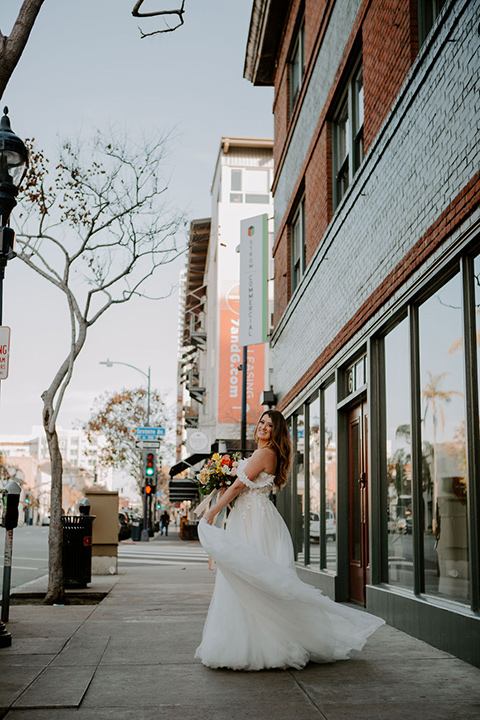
pixel 149 466
pixel 27 499
pixel 148 489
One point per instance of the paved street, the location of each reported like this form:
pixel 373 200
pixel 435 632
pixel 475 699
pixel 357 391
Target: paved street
pixel 131 656
pixel 161 550
pixel 30 554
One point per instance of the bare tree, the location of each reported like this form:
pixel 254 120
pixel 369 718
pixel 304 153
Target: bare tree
pixel 97 227
pixel 113 417
pixel 13 45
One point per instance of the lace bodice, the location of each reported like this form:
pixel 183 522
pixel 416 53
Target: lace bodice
pixel 263 483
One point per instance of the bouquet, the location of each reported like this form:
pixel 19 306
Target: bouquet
pixel 218 473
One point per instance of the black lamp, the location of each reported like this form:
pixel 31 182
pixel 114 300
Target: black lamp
pixel 13 166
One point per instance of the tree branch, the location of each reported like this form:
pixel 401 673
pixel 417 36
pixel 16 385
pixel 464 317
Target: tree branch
pixel 179 13
pixel 12 47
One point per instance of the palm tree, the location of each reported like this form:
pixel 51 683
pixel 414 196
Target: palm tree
pixel 434 397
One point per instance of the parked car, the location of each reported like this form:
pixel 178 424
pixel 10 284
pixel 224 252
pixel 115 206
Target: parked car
pixel 330 526
pixel 124 525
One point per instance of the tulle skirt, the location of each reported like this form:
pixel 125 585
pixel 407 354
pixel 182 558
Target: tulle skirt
pixel 261 614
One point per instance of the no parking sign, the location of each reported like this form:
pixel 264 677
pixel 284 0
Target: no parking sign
pixel 4 351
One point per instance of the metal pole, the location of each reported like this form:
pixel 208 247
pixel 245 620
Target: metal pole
pixel 2 276
pixel 243 438
pixel 148 399
pixel 7 574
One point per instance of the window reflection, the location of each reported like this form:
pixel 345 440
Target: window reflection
pixel 399 467
pixel 330 449
pixel 314 474
pixel 300 472
pixel 444 486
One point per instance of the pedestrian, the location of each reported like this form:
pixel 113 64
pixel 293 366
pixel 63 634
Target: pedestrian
pixel 261 614
pixel 164 522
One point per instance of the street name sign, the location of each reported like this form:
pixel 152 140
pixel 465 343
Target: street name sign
pixel 147 444
pixel 147 433
pixel 4 351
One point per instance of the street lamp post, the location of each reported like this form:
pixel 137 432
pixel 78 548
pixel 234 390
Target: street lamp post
pixel 13 166
pixel 145 536
pixel 109 363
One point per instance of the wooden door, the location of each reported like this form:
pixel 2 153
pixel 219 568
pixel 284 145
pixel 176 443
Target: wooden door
pixel 358 502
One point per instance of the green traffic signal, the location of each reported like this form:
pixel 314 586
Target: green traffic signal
pixel 150 465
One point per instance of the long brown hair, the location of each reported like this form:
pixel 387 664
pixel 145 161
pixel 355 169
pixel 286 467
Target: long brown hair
pixel 280 442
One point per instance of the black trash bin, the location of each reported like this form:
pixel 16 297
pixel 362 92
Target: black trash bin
pixel 193 531
pixel 77 550
pixel 137 526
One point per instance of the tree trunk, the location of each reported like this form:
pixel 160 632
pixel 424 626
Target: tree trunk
pixel 12 47
pixel 56 590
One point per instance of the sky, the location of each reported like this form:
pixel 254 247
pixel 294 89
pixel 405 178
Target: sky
pixel 86 67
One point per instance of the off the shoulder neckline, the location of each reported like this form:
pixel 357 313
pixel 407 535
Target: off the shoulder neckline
pixel 268 475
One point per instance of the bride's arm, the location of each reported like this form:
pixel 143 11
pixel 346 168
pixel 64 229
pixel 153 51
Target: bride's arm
pixel 226 498
pixel 254 467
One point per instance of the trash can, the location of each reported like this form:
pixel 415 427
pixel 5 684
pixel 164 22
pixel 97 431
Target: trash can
pixel 137 530
pixel 188 531
pixel 77 550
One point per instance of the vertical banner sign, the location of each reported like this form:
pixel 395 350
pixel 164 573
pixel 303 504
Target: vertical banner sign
pixel 230 357
pixel 253 280
pixel 4 351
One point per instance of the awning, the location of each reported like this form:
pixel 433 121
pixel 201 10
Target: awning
pixel 187 463
pixel 182 489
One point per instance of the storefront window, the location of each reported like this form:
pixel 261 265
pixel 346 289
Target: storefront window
pixel 300 482
pixel 399 467
pixel 314 475
pixel 444 486
pixel 330 450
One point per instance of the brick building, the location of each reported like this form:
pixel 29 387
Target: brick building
pixel 376 324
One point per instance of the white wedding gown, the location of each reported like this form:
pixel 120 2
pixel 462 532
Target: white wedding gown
pixel 261 614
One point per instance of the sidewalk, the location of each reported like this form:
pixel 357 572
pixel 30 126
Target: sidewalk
pixel 131 656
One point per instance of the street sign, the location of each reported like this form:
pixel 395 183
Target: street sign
pixel 4 351
pixel 147 444
pixel 148 433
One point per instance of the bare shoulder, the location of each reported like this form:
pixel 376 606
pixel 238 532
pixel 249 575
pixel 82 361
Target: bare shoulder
pixel 267 459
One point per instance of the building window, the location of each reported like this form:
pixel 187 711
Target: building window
pixel 257 199
pixel 297 64
pixel 428 11
pixel 297 242
pixel 347 136
pixel 398 457
pixel 329 407
pixel 236 181
pixel 236 195
pixel 443 431
pixel 426 488
pixel 299 483
pixel 255 184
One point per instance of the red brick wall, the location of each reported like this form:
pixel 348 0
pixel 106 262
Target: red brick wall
pixel 388 29
pixel 389 35
pixel 282 275
pixel 318 193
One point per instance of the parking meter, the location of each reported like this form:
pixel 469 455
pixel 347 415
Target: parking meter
pixel 84 506
pixel 10 499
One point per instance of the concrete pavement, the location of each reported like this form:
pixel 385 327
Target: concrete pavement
pixel 131 656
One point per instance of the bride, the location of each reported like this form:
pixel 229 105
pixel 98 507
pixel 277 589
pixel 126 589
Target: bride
pixel 261 614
